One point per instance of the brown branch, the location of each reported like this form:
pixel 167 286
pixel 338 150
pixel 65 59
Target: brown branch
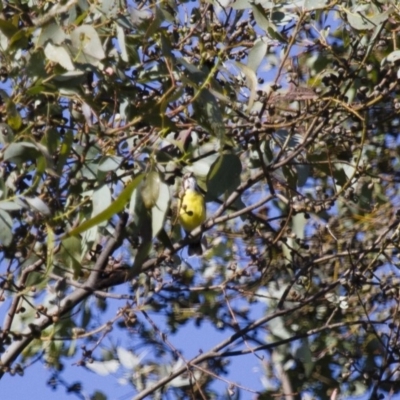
pixel 215 352
pixel 65 305
pixel 14 305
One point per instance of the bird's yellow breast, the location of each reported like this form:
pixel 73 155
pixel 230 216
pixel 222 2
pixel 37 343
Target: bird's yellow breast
pixel 192 210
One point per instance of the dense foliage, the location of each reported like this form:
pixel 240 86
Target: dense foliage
pixel 287 113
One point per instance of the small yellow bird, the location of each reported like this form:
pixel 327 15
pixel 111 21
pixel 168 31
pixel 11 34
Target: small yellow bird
pixel 192 211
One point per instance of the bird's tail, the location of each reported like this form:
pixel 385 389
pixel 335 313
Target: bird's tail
pixel 197 246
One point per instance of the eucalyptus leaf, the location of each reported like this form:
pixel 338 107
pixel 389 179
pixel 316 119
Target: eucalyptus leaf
pixel 6 134
pixel 224 175
pixel 150 189
pixel 257 54
pixel 59 55
pixel 6 224
pixel 8 28
pixel 87 45
pixel 160 209
pixel 20 152
pixel 69 255
pixel 64 151
pixel 110 163
pixel 202 167
pixel 38 205
pixel 13 116
pixel 51 32
pixel 314 4
pixel 122 44
pixel 209 114
pixel 10 205
pixel 393 56
pixel 101 200
pixel 251 80
pixel 365 21
pixel 104 368
pixel 242 4
pixel 116 206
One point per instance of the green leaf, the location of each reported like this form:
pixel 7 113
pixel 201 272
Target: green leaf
pixel 367 20
pixel 224 176
pixel 6 134
pixel 50 249
pixel 110 163
pixel 290 176
pixel 70 255
pixel 13 117
pixel 97 395
pixel 64 151
pixel 209 114
pixel 104 368
pixel 122 44
pixel 109 8
pixel 59 55
pixel 160 209
pixel 195 75
pixel 251 80
pixel 115 207
pixel 261 18
pixel 155 24
pixel 393 56
pixel 50 142
pixel 242 4
pixel 6 235
pixel 87 45
pixel 90 170
pixel 303 173
pixel 318 161
pixel 303 353
pixel 51 32
pixel 202 167
pixel 150 189
pixel 101 201
pixel 263 21
pixel 36 204
pixel 20 40
pixel 257 54
pixel 139 17
pixel 314 4
pixel 10 206
pixel 20 152
pixel 8 28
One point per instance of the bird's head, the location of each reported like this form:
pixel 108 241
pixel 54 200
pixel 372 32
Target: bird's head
pixel 189 182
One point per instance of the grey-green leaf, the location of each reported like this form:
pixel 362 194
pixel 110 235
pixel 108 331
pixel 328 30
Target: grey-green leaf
pixel 59 55
pixel 257 54
pixel 209 113
pixel 116 206
pixel 224 175
pixel 6 235
pixel 101 200
pixel 38 205
pixel 160 209
pixel 6 133
pixel 362 21
pixel 150 189
pixel 51 32
pixel 110 163
pixel 251 80
pixel 10 206
pixel 20 152
pixel 121 42
pixel 88 45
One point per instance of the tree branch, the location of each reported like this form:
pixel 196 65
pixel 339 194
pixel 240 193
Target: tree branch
pixel 66 304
